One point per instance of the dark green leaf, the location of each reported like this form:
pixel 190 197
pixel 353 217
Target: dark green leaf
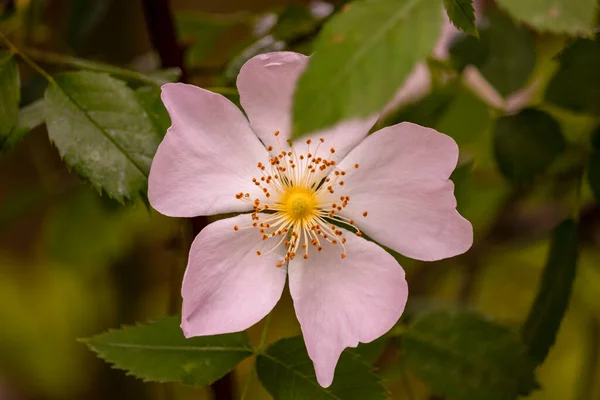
pixel 557 16
pixel 526 144
pixel 287 373
pixel 202 32
pixel 294 21
pixel 159 352
pixel 463 356
pixel 546 314
pixel 462 15
pixel 30 117
pixel 370 352
pixel 362 56
pixel 102 132
pixel 576 85
pixel 9 94
pixel 149 98
pixel 505 54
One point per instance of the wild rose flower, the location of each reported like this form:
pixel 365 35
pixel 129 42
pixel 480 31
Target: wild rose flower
pixel 304 208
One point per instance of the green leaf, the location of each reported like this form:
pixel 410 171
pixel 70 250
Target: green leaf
pixel 202 33
pixel 546 314
pixel 463 356
pixel 462 15
pixel 30 117
pixel 526 144
pixel 159 352
pixel 149 98
pixel 576 86
pixel 362 56
pixel 102 132
pixel 9 94
pixel 287 373
pixel 557 16
pixel 505 54
pixel 370 352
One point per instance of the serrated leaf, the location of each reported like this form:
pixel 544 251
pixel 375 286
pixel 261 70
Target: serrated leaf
pixel 576 86
pixel 286 372
pixel 557 16
pixel 149 98
pixel 541 327
pixel 462 15
pixel 102 132
pixel 30 117
pixel 9 94
pixel 526 144
pixel 159 352
pixel 463 356
pixel 362 56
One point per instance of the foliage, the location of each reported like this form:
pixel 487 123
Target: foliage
pixel 515 84
pixel 158 352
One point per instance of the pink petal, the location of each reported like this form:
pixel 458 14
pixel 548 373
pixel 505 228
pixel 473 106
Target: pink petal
pixel 341 302
pixel 266 84
pixel 402 183
pixel 209 154
pixel 227 287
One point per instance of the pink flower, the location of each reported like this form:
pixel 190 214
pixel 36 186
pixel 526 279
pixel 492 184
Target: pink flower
pixel 301 205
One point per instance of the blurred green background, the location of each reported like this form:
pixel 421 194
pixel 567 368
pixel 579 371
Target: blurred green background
pixel 73 264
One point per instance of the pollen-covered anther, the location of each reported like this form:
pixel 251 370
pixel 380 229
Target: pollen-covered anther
pixel 294 210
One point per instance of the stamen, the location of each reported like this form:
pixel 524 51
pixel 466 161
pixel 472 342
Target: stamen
pixel 296 207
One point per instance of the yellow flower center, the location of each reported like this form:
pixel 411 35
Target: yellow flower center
pixel 298 204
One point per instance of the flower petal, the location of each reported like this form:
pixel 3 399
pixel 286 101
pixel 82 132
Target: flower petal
pixel 341 302
pixel 402 183
pixel 266 84
pixel 209 154
pixel 227 287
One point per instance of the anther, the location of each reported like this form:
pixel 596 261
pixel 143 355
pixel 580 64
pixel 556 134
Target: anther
pixel 365 214
pixel 235 228
pixel 356 166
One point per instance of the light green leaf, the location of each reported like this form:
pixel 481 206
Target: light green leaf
pixel 557 16
pixel 9 94
pixel 159 352
pixel 102 132
pixel 149 98
pixel 287 373
pixel 546 314
pixel 462 15
pixel 526 144
pixel 463 356
pixel 30 117
pixel 362 56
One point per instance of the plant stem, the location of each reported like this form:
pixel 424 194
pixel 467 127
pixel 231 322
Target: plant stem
pixel 48 57
pixel 259 350
pixel 26 59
